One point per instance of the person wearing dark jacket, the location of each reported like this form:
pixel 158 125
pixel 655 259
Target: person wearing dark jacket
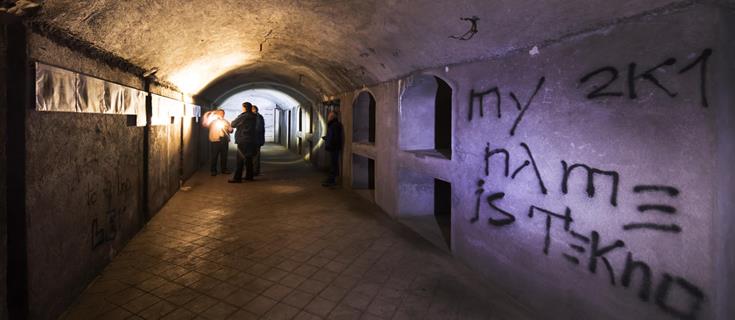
pixel 260 136
pixel 333 145
pixel 247 142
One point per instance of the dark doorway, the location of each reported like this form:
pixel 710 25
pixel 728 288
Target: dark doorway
pixel 443 209
pixel 443 118
pixel 311 129
pixel 371 110
pixel 371 174
pixel 363 176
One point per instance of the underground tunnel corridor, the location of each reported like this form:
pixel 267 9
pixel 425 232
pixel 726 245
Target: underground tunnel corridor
pixel 279 248
pixel 556 159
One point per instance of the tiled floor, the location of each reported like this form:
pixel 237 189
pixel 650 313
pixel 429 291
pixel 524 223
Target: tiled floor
pixel 283 247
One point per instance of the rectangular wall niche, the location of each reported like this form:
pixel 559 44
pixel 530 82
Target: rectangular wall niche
pixel 363 176
pixel 443 209
pixel 425 205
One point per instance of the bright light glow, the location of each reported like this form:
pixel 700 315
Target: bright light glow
pixel 219 125
pixel 197 75
pixel 266 100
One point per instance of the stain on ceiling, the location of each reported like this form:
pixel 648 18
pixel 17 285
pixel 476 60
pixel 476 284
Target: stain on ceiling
pixel 320 47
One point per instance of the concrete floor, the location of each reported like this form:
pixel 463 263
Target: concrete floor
pixel 283 247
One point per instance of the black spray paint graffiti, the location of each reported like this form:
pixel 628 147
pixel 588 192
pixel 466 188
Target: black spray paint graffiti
pixel 589 248
pixel 689 297
pixel 506 157
pixel 591 172
pixel 108 231
pixel 471 32
pixel 479 97
pixel 105 228
pixel 664 209
pixel 610 75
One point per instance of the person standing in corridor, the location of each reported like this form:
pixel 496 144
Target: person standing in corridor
pixel 260 135
pixel 246 140
pixel 333 145
pixel 219 138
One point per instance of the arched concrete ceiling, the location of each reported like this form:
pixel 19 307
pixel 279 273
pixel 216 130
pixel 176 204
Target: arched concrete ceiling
pixel 320 46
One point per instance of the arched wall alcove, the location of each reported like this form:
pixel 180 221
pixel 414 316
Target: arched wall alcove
pixel 363 118
pixel 426 116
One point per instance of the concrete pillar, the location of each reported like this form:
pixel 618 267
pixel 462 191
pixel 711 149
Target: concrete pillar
pixel 16 80
pixel 3 174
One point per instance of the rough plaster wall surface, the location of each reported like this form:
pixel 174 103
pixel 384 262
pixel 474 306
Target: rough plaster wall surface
pixel 591 101
pixel 346 101
pixel 164 164
pixel 84 182
pixel 3 172
pixel 724 233
pixel 83 188
pixel 416 113
pixel 386 140
pixel 164 159
pixel 191 146
pixel 333 46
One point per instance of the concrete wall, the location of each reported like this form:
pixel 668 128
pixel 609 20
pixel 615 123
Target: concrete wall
pixel 723 235
pixel 84 197
pixel 165 164
pixel 556 242
pixel 85 183
pixel 191 129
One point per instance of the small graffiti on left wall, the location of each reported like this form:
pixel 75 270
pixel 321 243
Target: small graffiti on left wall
pixel 113 198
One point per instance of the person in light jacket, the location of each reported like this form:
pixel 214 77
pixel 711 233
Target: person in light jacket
pixel 219 138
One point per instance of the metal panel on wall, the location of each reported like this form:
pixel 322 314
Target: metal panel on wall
pixel 164 108
pixel 192 111
pixel 61 90
pixel 55 89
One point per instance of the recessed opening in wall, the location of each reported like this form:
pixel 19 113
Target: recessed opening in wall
pixel 426 103
pixel 288 135
pixel 301 120
pixel 363 176
pixel 425 205
pixel 443 208
pixel 363 118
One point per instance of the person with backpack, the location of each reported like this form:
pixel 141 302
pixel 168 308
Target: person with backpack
pixel 247 142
